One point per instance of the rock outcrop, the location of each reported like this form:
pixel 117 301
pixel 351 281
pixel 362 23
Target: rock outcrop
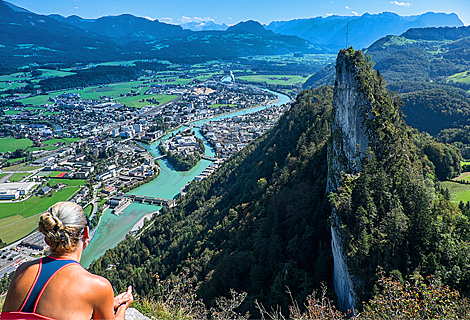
pixel 348 146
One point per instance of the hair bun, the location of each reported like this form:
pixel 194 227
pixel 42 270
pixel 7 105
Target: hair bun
pixel 51 223
pixel 62 226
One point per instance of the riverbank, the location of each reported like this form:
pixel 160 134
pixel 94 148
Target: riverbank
pixel 167 185
pixel 140 223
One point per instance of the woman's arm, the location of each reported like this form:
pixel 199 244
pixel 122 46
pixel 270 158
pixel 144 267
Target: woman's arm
pixel 107 306
pixel 103 299
pixel 122 302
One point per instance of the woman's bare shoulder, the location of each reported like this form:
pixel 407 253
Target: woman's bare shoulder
pixel 93 281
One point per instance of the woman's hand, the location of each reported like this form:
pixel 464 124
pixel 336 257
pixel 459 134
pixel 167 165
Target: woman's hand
pixel 124 298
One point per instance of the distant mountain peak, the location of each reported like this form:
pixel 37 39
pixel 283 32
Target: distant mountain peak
pixel 363 30
pixel 15 8
pixel 253 27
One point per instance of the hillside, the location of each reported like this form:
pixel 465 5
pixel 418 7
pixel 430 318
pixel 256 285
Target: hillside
pixel 125 27
pixel 363 30
pixel 418 55
pixel 385 204
pixel 262 221
pixel 32 39
pixel 427 67
pixel 29 38
pixel 258 224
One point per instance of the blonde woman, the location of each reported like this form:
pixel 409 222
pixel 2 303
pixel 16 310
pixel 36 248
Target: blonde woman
pixel 57 286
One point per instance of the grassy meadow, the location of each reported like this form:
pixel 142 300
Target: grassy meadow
pixel 17 177
pixel 458 191
pixel 18 219
pixel 460 77
pixel 11 144
pixel 274 79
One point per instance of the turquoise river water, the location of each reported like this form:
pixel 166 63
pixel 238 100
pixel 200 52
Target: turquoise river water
pixel 113 229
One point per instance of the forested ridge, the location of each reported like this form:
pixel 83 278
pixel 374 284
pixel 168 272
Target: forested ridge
pixel 392 213
pixel 419 65
pixel 260 223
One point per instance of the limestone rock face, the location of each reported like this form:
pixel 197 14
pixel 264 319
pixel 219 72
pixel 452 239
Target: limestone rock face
pixel 349 139
pixel 348 145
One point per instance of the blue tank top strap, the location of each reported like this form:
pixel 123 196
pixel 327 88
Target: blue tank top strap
pixel 48 267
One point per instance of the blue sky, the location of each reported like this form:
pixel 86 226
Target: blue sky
pixel 234 11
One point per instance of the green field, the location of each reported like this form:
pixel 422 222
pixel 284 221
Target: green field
pixel 20 218
pixel 12 112
pixel 43 148
pixel 38 100
pixel 460 77
pixel 458 191
pixel 111 90
pixel 17 177
pixel 29 168
pixel 69 182
pixel 54 73
pixel 136 101
pixel 12 85
pixel 2 175
pixel 11 144
pixel 67 141
pixel 15 76
pixel 16 227
pixel 35 204
pixel 13 168
pixel 88 210
pixel 16 160
pixel 274 79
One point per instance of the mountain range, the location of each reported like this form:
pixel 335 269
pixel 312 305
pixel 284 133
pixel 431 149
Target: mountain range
pixel 361 31
pixel 29 38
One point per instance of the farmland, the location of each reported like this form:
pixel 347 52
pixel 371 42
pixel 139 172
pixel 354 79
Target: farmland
pixel 18 219
pixel 11 144
pixel 275 79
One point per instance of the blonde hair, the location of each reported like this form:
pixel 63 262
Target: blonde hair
pixel 62 225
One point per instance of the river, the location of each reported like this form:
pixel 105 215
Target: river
pixel 113 229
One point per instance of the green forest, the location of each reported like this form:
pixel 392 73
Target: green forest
pixel 260 223
pixel 421 66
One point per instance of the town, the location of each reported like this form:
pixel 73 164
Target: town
pixel 94 152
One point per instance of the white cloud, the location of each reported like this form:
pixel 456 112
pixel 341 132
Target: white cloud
pixel 401 4
pixel 347 7
pixel 354 13
pixel 329 14
pixel 184 19
pixel 77 8
pixel 166 20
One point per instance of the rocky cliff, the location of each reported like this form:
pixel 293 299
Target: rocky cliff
pixel 347 147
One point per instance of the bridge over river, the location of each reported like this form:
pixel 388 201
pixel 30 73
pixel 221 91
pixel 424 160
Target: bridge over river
pixel 152 200
pixel 203 157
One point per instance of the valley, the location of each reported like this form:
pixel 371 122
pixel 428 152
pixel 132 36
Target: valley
pixel 221 164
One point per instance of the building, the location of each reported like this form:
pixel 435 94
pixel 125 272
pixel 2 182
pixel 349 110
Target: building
pixel 115 132
pixel 45 190
pixel 9 194
pixel 14 190
pixel 81 175
pixel 106 175
pixel 108 190
pixel 137 128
